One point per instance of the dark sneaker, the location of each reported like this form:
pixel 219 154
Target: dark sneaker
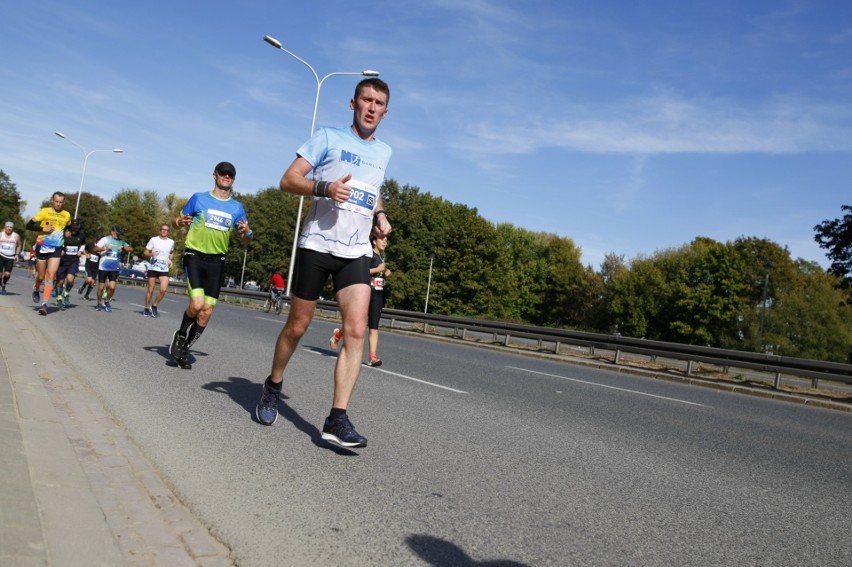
pixel 176 349
pixel 43 309
pixel 108 307
pixel 154 312
pixel 340 432
pixel 146 312
pixel 36 296
pixel 267 409
pixel 3 290
pixel 98 307
pixel 375 361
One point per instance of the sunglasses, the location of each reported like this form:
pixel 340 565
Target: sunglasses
pixel 230 174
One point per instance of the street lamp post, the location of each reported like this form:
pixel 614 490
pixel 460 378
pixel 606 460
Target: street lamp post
pixel 85 161
pixel 367 73
pixel 429 283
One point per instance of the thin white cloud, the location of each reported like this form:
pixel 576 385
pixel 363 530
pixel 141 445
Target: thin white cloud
pixel 664 125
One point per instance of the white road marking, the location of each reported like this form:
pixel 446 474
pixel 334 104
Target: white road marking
pixel 606 386
pixel 433 384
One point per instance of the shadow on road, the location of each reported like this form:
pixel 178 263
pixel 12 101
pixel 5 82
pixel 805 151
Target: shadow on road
pixel 435 551
pixel 246 394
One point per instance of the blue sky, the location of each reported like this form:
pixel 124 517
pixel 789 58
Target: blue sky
pixel 629 127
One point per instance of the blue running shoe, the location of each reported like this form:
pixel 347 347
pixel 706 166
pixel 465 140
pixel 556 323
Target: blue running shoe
pixel 341 432
pixel 267 409
pixel 146 312
pixel 108 307
pixel 154 312
pixel 36 296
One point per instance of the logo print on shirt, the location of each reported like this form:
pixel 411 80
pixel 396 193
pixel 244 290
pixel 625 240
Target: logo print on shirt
pixel 348 157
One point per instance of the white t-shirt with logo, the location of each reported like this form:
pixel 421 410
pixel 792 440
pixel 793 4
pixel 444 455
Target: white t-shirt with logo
pixel 161 250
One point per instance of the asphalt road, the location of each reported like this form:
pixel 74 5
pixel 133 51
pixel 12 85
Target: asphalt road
pixel 475 457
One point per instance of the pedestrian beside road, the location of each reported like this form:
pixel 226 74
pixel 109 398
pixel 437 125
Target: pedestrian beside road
pixel 161 250
pixel 348 166
pixel 10 248
pixel 210 216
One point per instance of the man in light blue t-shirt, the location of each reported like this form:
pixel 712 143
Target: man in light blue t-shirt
pixel 109 248
pixel 348 166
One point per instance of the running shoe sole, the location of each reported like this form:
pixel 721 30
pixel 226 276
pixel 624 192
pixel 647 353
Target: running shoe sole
pixel 332 438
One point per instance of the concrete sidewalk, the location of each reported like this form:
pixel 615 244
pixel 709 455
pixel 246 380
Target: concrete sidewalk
pixel 74 488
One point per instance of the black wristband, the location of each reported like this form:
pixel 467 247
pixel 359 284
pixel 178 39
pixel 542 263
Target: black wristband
pixel 381 212
pixel 321 188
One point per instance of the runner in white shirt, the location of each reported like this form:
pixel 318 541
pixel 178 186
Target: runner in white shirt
pixel 160 249
pixel 10 247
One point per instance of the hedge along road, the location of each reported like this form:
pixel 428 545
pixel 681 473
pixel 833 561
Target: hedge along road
pixel 475 456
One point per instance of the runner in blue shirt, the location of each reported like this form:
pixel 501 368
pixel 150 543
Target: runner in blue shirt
pixel 348 166
pixel 210 216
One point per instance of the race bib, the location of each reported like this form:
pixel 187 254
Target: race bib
pixel 46 249
pixel 218 220
pixel 72 250
pixel 362 200
pixel 7 248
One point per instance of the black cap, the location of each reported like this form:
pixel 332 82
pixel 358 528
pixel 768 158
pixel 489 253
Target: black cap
pixel 75 224
pixel 118 230
pixel 226 168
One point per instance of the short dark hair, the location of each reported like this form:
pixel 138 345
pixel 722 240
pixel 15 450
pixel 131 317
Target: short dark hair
pixel 374 82
pixel 57 194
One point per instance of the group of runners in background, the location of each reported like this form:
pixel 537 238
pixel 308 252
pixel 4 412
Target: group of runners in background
pixel 343 237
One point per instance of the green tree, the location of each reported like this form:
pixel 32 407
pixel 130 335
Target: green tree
pixel 93 213
pixel 413 244
pixel 639 296
pixel 563 283
pixel 524 263
pixel 836 236
pixel 810 317
pixel 768 271
pixel 11 205
pixel 272 217
pixel 709 295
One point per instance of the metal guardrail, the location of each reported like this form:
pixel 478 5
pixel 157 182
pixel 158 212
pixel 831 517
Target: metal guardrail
pixel 554 340
pixel 690 354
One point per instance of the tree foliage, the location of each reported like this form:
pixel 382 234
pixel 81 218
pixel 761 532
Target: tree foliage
pixel 836 236
pixel 11 205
